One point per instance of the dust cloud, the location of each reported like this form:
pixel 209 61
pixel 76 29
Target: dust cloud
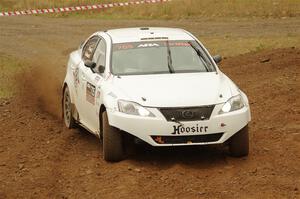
pixel 41 85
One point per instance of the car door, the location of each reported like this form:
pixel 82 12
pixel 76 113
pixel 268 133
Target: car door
pixel 92 88
pixel 87 89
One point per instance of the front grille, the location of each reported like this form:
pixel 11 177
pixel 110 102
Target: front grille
pixel 187 139
pixel 188 114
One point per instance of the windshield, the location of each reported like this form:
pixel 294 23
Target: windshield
pixel 158 57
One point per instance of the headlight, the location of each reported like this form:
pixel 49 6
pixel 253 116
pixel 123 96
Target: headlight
pixel 133 108
pixel 232 104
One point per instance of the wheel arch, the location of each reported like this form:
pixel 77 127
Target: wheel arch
pixel 65 85
pixel 75 112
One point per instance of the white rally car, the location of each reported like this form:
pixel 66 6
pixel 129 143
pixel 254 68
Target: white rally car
pixel 158 85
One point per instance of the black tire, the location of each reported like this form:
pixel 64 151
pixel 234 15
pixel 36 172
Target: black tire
pixel 68 110
pixel 239 143
pixel 113 150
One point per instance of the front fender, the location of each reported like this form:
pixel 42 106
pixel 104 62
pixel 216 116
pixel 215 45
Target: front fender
pixel 110 102
pixel 245 98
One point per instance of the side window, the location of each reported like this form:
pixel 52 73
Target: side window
pixel 89 48
pixel 100 55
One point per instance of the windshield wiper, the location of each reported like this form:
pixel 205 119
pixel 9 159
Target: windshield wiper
pixel 200 55
pixel 171 69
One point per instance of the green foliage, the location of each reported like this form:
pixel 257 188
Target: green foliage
pixel 260 47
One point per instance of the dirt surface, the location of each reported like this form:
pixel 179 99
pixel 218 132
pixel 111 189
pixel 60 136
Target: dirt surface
pixel 39 158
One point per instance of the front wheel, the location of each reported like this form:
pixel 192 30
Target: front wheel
pixel 239 143
pixel 67 110
pixel 113 150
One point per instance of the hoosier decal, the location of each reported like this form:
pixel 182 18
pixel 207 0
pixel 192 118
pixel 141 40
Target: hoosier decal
pixel 186 130
pixel 90 93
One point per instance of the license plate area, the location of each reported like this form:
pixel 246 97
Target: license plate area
pixel 189 139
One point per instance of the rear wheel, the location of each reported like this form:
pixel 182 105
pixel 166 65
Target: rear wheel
pixel 239 143
pixel 67 110
pixel 113 150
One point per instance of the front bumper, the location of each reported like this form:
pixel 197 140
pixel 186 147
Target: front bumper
pixel 148 128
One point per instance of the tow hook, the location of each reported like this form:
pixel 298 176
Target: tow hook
pixel 173 119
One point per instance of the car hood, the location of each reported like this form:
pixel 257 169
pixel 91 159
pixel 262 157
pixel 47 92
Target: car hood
pixel 176 90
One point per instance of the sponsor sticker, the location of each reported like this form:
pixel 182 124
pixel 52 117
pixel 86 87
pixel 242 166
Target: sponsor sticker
pixel 153 44
pixel 148 45
pixel 90 93
pixel 124 46
pixel 76 76
pixel 98 94
pixel 181 129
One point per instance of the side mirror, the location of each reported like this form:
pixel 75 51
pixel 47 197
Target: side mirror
pixel 217 58
pixel 90 64
pixel 101 69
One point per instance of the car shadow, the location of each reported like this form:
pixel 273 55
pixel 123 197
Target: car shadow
pixel 191 156
pixel 164 157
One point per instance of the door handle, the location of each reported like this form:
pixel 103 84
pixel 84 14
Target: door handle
pixel 83 78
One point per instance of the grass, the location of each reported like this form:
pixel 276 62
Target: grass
pixel 9 67
pixel 177 9
pixel 233 46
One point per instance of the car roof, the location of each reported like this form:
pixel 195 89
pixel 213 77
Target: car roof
pixel 125 35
